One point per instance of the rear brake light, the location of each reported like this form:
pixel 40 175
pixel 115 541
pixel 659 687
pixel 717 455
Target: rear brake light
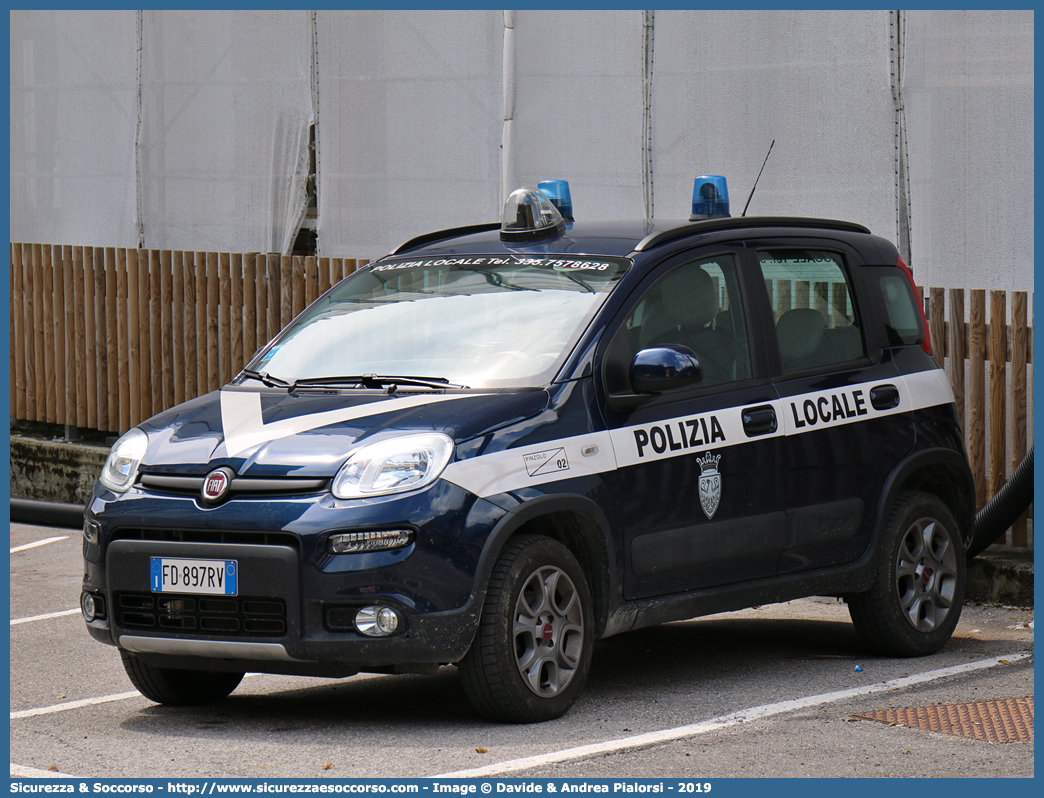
pixel 926 345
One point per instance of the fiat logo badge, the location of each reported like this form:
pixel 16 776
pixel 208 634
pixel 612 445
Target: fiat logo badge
pixel 215 485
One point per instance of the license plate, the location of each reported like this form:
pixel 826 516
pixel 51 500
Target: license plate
pixel 210 577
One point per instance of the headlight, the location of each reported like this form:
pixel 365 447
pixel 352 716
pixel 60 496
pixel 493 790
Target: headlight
pixel 393 466
pixel 121 467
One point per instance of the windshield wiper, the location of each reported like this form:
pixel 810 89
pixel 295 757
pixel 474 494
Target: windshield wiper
pixel 267 379
pixel 579 282
pixel 377 381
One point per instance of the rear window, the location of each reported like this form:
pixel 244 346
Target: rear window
pixel 903 318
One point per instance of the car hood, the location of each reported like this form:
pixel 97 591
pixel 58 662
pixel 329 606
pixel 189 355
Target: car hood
pixel 311 434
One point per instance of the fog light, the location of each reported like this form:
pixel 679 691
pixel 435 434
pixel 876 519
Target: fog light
pixel 91 531
pixel 87 606
pixel 377 621
pixel 377 540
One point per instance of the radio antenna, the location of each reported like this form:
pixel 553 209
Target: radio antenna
pixel 758 178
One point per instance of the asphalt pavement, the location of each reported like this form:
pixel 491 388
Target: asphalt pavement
pixel 769 691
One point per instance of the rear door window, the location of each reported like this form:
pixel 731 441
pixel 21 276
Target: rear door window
pixel 813 313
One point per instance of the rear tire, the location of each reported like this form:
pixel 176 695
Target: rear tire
pixel 177 687
pixel 531 655
pixel 915 602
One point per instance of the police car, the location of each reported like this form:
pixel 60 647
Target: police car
pixel 501 443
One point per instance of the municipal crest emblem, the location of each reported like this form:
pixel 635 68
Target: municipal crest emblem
pixel 710 484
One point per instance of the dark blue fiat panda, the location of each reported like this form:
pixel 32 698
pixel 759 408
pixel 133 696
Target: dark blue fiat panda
pixel 502 443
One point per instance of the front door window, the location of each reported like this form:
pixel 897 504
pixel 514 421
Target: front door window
pixel 696 305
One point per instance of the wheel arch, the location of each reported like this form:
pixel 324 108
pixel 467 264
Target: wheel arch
pixel 576 522
pixel 941 472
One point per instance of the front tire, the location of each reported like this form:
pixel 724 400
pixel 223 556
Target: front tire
pixel 915 602
pixel 531 655
pixel 177 687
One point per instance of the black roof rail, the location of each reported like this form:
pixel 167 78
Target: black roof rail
pixel 733 223
pixel 442 235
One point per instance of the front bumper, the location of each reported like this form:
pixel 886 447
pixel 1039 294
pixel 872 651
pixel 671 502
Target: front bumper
pixel 293 597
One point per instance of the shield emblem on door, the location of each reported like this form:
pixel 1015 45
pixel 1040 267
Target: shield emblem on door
pixel 709 484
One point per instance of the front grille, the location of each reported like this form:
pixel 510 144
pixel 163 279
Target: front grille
pixel 257 486
pixel 222 615
pixel 208 536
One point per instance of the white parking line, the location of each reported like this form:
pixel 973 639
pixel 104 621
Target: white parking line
pixel 22 772
pixel 722 722
pixel 43 542
pixel 83 702
pixel 45 617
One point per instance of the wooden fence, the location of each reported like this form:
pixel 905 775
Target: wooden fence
pixel 995 426
pixel 103 338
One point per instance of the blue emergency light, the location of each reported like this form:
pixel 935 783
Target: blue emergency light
pixel 558 192
pixel 710 197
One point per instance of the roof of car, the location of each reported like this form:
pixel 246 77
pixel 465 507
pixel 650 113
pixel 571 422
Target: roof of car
pixel 619 238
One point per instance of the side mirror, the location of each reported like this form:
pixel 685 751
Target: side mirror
pixel 660 368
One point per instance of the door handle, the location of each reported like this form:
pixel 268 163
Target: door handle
pixel 884 397
pixel 760 420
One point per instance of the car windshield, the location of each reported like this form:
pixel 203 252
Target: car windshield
pixel 481 321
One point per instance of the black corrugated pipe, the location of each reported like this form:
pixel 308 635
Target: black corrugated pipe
pixel 1004 508
pixel 41 513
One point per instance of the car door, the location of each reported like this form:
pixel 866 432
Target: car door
pixel 843 413
pixel 700 501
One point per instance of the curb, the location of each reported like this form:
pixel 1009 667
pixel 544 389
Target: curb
pixel 1001 575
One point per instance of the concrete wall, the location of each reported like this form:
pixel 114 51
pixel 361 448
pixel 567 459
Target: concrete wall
pixel 54 471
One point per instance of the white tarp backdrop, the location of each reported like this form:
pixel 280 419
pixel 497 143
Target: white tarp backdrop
pixel 226 104
pixel 968 90
pixel 409 125
pixel 578 108
pixel 74 110
pixel 425 118
pixel 816 82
